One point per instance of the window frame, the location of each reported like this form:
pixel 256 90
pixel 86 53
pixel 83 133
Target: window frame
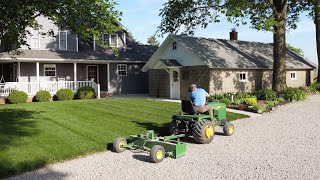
pixel 295 75
pixel 243 79
pixel 174 46
pixel 65 39
pixel 121 70
pixel 49 65
pixel 32 39
pixel 109 39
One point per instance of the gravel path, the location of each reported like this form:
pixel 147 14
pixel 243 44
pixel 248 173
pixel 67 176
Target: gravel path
pixel 284 144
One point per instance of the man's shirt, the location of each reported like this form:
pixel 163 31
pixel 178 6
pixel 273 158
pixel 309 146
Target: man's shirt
pixel 198 97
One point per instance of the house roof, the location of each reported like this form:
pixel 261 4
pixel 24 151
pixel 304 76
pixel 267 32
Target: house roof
pixel 170 62
pixel 220 53
pixel 136 53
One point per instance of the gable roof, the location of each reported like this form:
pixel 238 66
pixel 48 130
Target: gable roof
pixel 219 53
pixel 136 53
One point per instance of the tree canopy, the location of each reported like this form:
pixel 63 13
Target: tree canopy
pixel 153 41
pixel 86 18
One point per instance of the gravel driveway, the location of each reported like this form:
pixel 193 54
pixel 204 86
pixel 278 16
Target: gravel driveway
pixel 284 144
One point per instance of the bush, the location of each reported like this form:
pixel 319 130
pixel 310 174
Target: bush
pixel 42 96
pixel 16 97
pixel 271 103
pixel 314 87
pixel 241 95
pixel 64 94
pixel 250 101
pixel 291 94
pixel 226 101
pixel 86 93
pixel 266 94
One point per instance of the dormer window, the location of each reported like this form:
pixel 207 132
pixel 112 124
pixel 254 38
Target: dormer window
pixel 174 45
pixel 35 39
pixel 110 40
pixel 63 40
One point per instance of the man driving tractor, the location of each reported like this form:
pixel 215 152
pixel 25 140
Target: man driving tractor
pixel 198 98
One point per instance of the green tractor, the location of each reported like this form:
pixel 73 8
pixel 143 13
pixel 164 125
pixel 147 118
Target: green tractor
pixel 201 126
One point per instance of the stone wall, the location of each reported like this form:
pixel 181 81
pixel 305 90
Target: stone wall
pixel 159 83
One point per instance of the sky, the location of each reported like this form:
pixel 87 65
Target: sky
pixel 141 18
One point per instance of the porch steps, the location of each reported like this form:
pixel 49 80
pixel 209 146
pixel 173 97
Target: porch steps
pixel 105 94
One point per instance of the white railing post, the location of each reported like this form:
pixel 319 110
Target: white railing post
pixel 98 95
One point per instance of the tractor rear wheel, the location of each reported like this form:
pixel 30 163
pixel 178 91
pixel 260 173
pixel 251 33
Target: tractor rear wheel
pixel 157 154
pixel 228 129
pixel 118 144
pixel 203 131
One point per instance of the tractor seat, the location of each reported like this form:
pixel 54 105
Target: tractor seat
pixel 187 107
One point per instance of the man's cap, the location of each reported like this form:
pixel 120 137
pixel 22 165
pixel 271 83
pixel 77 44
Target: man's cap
pixel 193 85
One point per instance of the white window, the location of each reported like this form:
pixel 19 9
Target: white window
pixel 35 38
pixel 63 40
pixel 110 40
pixel 49 70
pixel 122 69
pixel 174 45
pixel 293 75
pixel 243 76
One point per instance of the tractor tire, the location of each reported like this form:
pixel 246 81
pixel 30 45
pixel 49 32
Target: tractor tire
pixel 228 129
pixel 118 145
pixel 157 154
pixel 203 131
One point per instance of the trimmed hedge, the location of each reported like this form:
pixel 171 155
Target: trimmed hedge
pixel 64 94
pixel 17 97
pixel 42 96
pixel 86 93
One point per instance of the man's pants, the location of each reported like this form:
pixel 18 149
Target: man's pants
pixel 202 109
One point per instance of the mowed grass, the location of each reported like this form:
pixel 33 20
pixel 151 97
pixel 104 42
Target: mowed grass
pixel 35 134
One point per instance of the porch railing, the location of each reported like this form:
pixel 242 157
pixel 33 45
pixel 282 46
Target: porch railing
pixel 31 88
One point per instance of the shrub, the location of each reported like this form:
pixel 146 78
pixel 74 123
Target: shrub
pixel 43 96
pixel 266 94
pixel 271 103
pixel 226 101
pixel 241 95
pixel 314 87
pixel 86 93
pixel 291 94
pixel 64 94
pixel 250 101
pixel 16 97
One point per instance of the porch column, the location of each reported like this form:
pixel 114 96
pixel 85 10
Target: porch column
pixel 108 77
pixel 18 71
pixel 38 77
pixel 75 76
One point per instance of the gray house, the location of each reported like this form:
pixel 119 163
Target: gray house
pixel 66 61
pixel 218 66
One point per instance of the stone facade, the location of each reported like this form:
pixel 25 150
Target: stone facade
pixel 159 83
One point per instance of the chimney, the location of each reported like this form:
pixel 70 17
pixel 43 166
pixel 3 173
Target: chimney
pixel 233 35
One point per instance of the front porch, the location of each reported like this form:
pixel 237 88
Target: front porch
pixel 31 88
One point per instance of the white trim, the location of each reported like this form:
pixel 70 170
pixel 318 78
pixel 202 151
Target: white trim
pixel 51 66
pixel 109 36
pixel 246 76
pixel 66 39
pixel 32 31
pixel 77 43
pixel 97 72
pixel 124 40
pixel 123 65
pixel 75 74
pixel 295 75
pixel 108 76
pixel 38 74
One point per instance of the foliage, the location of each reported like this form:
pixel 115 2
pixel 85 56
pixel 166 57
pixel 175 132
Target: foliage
pixel 86 18
pixel 43 96
pixel 17 97
pixel 86 93
pixel 64 94
pixel 153 41
pixel 266 94
pixel 250 101
pixel 291 94
pixel 241 96
pixel 315 87
pixel 295 50
pixel 70 129
pixel 218 97
pixel 226 101
pixel 271 103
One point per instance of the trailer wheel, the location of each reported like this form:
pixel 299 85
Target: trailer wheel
pixel 228 129
pixel 157 154
pixel 203 131
pixel 118 144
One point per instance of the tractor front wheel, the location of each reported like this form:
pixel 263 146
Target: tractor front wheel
pixel 118 144
pixel 203 131
pixel 157 154
pixel 228 129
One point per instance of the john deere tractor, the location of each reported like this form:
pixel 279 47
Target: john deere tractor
pixel 201 126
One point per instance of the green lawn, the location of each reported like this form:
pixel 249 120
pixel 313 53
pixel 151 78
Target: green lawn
pixel 35 134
